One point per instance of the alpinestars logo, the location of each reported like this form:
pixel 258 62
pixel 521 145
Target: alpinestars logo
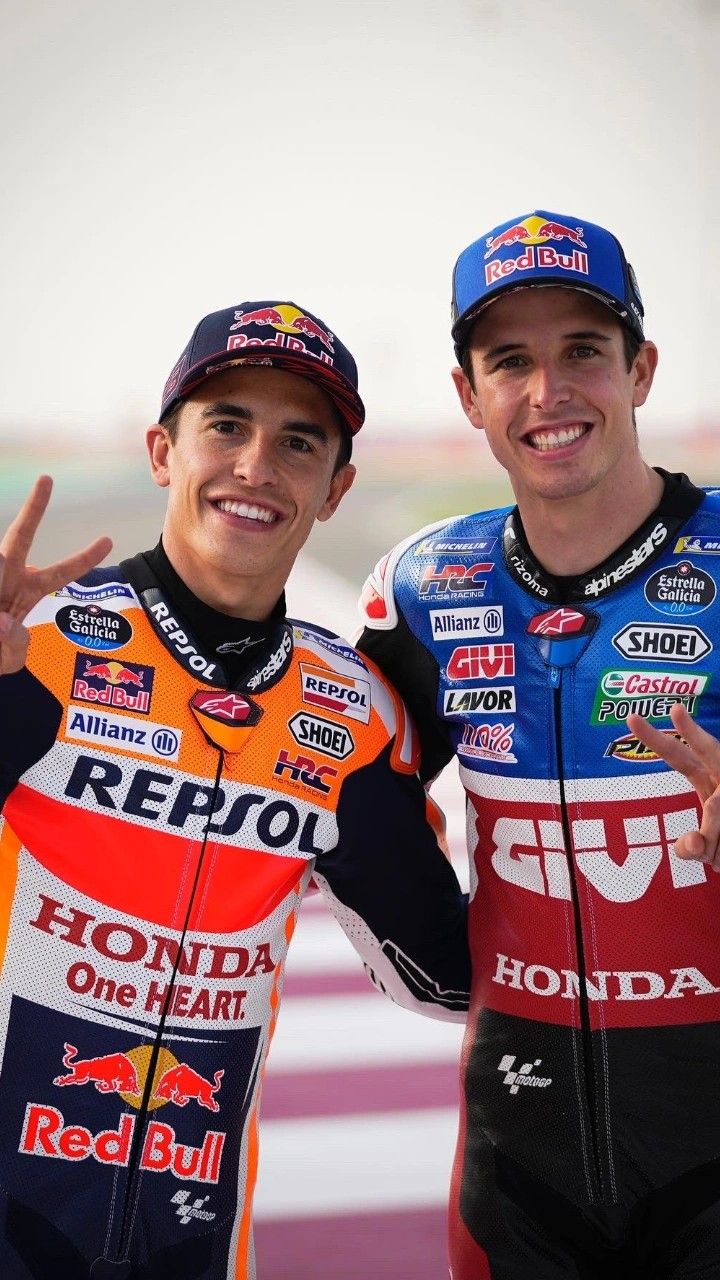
pixel 514 1079
pixel 637 556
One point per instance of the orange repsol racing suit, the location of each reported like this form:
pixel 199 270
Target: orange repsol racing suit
pixel 590 1127
pixel 159 832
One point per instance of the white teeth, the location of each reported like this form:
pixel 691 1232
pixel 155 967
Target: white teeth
pixel 544 440
pixel 248 512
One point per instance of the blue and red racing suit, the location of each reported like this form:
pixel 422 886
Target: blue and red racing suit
pixel 591 1110
pixel 159 832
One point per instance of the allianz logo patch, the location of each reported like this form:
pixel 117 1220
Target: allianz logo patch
pixel 141 736
pixel 483 620
pixel 523 1076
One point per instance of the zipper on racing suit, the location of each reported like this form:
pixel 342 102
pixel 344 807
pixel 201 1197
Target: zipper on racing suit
pixel 595 1164
pixel 132 1190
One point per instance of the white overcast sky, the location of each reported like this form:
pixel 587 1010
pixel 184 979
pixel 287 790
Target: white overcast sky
pixel 160 159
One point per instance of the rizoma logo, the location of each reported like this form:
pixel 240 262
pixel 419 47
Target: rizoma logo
pixel 346 695
pixel 517 562
pixel 522 1076
pixel 455 579
pixel 481 662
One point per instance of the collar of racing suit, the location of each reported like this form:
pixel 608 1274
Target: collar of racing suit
pixel 226 651
pixel 679 500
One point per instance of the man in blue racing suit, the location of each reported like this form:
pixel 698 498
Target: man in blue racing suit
pixel 522 640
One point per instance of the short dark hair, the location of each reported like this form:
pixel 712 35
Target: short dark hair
pixel 171 423
pixel 631 346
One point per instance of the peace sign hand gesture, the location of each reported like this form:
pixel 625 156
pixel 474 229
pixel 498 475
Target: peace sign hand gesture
pixel 696 755
pixel 21 587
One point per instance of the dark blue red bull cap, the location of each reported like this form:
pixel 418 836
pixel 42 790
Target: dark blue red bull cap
pixel 277 334
pixel 538 249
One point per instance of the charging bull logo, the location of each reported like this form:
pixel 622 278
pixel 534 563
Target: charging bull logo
pixel 536 238
pixel 110 1073
pixel 126 1074
pixel 534 230
pixel 285 319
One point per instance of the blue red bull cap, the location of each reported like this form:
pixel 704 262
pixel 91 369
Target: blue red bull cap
pixel 278 334
pixel 543 248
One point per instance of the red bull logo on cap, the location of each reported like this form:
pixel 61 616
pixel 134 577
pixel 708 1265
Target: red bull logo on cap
pixel 291 327
pixel 537 236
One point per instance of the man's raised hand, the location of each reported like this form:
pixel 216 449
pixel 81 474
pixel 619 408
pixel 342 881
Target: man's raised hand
pixel 696 754
pixel 21 587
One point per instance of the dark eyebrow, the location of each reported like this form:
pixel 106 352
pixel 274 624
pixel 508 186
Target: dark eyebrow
pixel 581 335
pixel 224 409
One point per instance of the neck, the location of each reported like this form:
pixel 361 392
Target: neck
pixel 236 595
pixel 572 535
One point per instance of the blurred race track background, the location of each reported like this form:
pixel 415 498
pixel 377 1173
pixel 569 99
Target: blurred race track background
pixel 360 1100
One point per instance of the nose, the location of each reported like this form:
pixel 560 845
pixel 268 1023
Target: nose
pixel 548 386
pixel 255 461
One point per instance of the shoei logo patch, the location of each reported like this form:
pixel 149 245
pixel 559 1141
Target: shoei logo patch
pixel 515 1079
pixel 345 695
pixel 323 735
pixel 648 641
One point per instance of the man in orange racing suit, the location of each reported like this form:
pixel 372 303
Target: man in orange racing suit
pixel 178 760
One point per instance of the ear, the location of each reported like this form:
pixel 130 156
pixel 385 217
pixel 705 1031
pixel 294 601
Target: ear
pixel 158 447
pixel 339 485
pixel 467 397
pixel 643 372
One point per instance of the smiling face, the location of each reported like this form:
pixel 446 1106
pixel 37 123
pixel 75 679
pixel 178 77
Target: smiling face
pixel 553 393
pixel 251 469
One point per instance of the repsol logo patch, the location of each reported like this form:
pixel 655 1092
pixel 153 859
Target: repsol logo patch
pixel 345 695
pixel 195 806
